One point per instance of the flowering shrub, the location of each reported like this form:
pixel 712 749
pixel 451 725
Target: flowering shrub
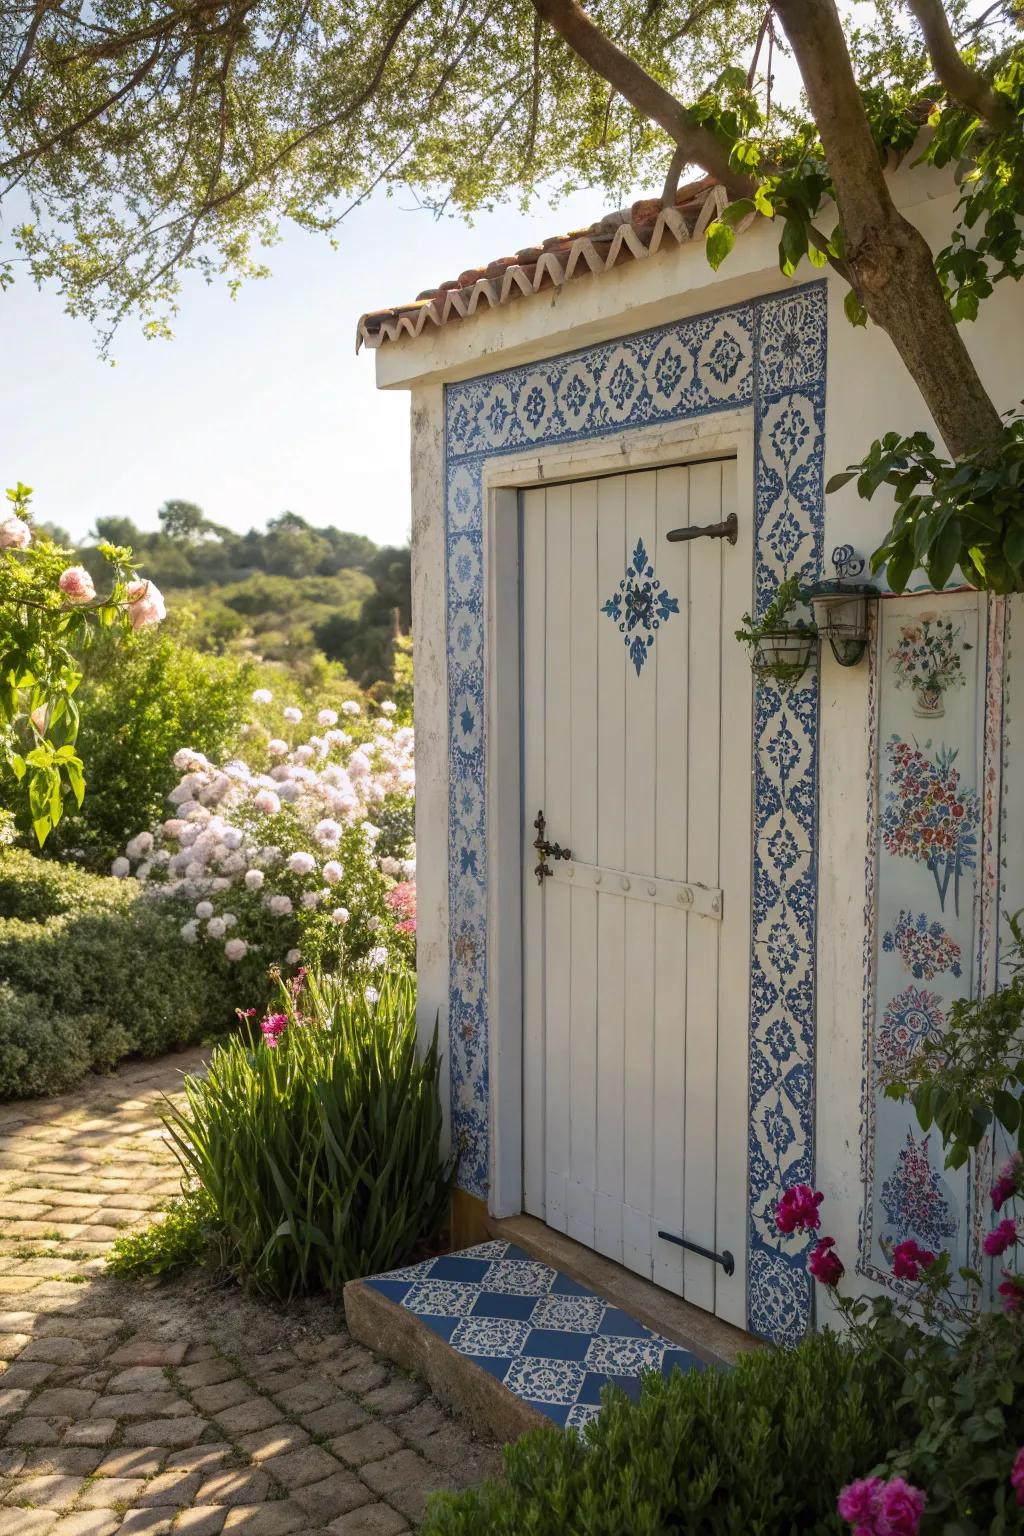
pixel 49 611
pixel 960 1468
pixel 317 1145
pixel 298 852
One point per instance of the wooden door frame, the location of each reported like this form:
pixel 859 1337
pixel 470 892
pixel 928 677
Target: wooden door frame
pixel 721 435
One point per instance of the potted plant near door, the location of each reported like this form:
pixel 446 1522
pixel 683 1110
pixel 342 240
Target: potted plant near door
pixel 780 644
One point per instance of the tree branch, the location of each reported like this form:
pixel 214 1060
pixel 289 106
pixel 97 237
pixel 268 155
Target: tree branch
pixel 890 261
pixel 642 91
pixel 965 84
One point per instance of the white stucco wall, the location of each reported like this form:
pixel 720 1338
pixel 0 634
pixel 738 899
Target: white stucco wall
pixel 868 393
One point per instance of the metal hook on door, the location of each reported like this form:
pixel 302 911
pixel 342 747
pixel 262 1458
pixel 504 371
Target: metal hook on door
pixel 729 529
pixel 546 850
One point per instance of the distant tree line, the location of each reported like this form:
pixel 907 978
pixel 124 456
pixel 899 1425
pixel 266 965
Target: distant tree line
pixel 284 592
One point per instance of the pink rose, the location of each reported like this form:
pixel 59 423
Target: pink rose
pixel 901 1509
pixel 825 1265
pixel 1001 1237
pixel 145 603
pixel 15 533
pixel 908 1260
pixel 858 1504
pixel 797 1210
pixel 1017 1476
pixel 76 584
pixel 1012 1292
pixel 1005 1186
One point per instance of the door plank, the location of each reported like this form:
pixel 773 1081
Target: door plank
pixel 534 545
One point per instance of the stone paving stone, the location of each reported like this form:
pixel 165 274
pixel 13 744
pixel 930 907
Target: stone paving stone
pixel 294 1469
pixel 50 1491
pixel 89 1522
pixel 12 1344
pixel 200 1520
pixel 372 1520
pixel 225 1394
pixel 139 1405
pixel 323 1348
pixel 275 1441
pixel 277 1518
pixel 28 1373
pixel 12 1400
pixel 139 1378
pixel 255 1413
pixel 176 1432
pixel 369 1443
pixel 142 1351
pixel 334 1496
pixel 11 1462
pixel 146 1522
pixel 199 1458
pixel 396 1471
pixel 58 1351
pixel 31 1431
pixel 67 1460
pixel 68 1401
pixel 142 1461
pixel 364 1378
pixel 396 1396
pixel 106 1492
pixel 336 1419
pixel 26 1522
pixel 205 1373
pixel 304 1397
pixel 235 1486
pixel 171 1488
pixel 92 1432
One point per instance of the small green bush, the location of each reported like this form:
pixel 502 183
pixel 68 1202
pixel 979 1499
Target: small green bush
pixel 763 1448
pixel 319 1146
pixel 179 1238
pixel 99 975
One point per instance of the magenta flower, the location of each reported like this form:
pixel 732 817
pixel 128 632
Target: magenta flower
pixel 797 1210
pixel 859 1503
pixel 825 1265
pixel 908 1260
pixel 1017 1476
pixel 1012 1292
pixel 1005 1186
pixel 1001 1237
pixel 273 1027
pixel 902 1506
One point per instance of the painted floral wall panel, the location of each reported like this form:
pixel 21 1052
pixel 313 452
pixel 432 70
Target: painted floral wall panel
pixel 928 846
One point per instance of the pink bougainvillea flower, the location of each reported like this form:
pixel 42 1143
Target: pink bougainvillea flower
pixel 15 533
pixel 1012 1292
pixel 901 1506
pixel 1017 1476
pixel 76 584
pixel 908 1260
pixel 824 1264
pixel 1005 1186
pixel 1001 1237
pixel 797 1210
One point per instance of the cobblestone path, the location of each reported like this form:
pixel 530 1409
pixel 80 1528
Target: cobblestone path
pixel 182 1407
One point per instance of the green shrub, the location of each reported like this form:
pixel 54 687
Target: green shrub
pixel 319 1145
pixel 180 1237
pixel 33 889
pixel 100 979
pixel 762 1448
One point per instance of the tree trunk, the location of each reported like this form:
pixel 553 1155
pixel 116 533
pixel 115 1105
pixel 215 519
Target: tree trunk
pixel 892 265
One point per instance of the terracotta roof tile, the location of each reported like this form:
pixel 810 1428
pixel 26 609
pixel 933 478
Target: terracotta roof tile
pixel 632 234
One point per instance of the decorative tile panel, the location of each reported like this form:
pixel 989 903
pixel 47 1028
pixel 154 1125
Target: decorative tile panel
pixel 769 355
pixel 923 915
pixel 547 1338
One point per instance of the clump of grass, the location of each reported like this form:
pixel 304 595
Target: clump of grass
pixel 179 1238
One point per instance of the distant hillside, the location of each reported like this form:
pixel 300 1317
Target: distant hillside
pixel 284 593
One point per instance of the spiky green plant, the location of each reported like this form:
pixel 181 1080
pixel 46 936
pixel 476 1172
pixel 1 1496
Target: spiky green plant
pixel 319 1145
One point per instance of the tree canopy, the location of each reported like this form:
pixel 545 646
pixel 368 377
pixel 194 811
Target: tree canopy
pixel 151 137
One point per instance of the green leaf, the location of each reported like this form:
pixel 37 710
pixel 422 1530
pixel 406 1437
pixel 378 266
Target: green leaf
pixel 719 242
pixel 737 211
pixel 854 309
pixel 793 245
pixel 836 482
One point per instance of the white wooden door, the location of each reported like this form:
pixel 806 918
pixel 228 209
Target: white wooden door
pixel 633 947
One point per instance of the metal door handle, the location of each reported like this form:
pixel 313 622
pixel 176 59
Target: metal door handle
pixel 546 850
pixel 729 529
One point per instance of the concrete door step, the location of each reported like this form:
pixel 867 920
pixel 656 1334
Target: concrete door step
pixel 507 1340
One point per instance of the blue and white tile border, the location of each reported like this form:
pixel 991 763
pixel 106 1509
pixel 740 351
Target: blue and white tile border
pixel 769 355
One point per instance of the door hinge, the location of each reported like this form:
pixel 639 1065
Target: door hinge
pixel 546 850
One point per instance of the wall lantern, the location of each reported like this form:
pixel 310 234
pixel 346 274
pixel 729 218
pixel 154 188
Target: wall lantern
pixel 841 607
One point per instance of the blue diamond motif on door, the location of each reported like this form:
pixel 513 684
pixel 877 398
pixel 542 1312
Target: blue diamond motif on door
pixel 640 606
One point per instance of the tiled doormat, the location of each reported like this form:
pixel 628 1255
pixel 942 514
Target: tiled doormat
pixel 547 1338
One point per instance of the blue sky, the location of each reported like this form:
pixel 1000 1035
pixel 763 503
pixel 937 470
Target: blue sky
pixel 259 404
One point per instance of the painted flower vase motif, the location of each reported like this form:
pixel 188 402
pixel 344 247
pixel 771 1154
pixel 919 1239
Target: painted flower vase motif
pixel 927 659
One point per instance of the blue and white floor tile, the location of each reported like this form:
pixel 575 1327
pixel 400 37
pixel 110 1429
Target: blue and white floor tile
pixel 548 1339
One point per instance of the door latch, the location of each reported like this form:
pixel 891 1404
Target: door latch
pixel 546 850
pixel 727 529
